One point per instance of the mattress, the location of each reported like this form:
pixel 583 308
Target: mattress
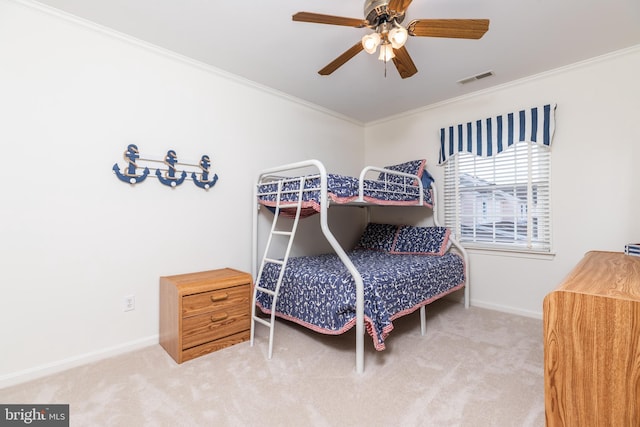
pixel 343 189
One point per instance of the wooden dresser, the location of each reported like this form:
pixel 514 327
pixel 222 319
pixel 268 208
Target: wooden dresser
pixel 203 312
pixel 592 344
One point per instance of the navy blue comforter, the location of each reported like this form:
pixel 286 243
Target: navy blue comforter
pixel 319 292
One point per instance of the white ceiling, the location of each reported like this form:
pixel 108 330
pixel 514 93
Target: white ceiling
pixel 257 40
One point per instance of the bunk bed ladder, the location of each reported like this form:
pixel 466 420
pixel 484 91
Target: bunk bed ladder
pixel 282 262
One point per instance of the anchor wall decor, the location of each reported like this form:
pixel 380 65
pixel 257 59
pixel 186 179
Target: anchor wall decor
pixel 137 170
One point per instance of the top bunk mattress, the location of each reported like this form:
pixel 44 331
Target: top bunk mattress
pixel 390 188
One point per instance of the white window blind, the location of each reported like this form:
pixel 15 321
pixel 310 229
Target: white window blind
pixel 503 201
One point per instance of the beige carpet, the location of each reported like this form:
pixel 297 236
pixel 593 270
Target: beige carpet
pixel 474 367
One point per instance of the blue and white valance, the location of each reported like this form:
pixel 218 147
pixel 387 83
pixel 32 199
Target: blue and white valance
pixel 491 136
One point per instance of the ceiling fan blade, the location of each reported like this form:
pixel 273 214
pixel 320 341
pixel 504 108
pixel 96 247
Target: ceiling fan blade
pixel 404 63
pixel 340 60
pixel 400 6
pixel 453 28
pixel 318 18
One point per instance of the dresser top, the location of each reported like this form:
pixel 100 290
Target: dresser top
pixel 607 274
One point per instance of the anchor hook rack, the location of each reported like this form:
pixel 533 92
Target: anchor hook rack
pixel 137 170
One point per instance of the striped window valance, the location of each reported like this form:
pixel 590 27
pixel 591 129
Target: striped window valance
pixel 491 136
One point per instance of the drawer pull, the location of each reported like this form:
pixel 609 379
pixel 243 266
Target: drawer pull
pixel 219 297
pixel 219 317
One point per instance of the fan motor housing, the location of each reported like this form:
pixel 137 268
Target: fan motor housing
pixel 377 11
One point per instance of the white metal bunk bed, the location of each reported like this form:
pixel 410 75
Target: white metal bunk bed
pixel 290 192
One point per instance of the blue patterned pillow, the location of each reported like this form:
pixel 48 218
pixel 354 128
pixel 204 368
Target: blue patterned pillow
pixel 421 240
pixel 378 237
pixel 414 167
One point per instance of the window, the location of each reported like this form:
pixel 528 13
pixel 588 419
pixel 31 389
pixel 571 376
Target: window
pixel 497 171
pixel 500 202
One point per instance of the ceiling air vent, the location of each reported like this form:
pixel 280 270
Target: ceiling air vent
pixel 476 77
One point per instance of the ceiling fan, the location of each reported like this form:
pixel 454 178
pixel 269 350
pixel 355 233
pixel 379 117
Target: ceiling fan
pixel 385 17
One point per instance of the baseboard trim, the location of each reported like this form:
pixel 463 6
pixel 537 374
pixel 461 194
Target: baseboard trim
pixel 506 309
pixel 75 361
pixel 495 307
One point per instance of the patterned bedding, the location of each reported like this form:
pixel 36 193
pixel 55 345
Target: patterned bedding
pixel 319 292
pixel 343 189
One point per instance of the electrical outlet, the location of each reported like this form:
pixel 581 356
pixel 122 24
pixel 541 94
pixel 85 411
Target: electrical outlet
pixel 129 303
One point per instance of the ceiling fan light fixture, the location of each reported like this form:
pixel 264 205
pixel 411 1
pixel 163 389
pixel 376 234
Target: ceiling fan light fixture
pixel 386 52
pixel 384 19
pixel 398 36
pixel 370 42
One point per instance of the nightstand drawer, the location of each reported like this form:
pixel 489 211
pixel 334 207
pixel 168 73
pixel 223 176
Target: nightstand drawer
pixel 193 305
pixel 215 324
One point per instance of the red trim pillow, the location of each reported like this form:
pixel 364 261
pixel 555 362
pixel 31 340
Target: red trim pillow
pixel 421 240
pixel 378 237
pixel 414 167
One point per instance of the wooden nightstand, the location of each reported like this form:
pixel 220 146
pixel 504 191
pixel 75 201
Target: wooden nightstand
pixel 204 312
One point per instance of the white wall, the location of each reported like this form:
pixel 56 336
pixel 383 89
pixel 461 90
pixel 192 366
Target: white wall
pixel 595 158
pixel 75 240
